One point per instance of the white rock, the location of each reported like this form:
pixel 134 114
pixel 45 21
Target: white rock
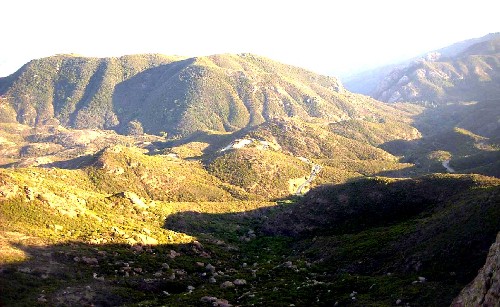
pixel 227 284
pixel 239 282
pixel 208 299
pixel 210 268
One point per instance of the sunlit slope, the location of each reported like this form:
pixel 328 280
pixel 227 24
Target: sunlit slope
pixel 158 94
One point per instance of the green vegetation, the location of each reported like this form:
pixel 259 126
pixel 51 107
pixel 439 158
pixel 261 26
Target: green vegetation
pixel 376 250
pixel 154 93
pixel 268 191
pixel 265 173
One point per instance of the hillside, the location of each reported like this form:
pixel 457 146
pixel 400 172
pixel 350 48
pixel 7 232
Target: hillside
pixel 464 135
pixel 380 232
pixel 425 76
pixel 377 240
pixel 234 180
pixel 473 74
pixel 159 94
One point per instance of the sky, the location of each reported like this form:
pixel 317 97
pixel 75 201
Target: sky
pixel 329 37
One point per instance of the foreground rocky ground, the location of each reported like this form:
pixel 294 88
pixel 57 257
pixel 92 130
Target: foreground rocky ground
pixel 241 253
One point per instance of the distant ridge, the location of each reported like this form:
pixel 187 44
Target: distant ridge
pixel 473 74
pixel 385 83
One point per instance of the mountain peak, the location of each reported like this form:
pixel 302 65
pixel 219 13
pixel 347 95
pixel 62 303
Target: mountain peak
pixel 177 95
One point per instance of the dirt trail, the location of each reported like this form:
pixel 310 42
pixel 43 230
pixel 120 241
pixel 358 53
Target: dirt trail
pixel 314 171
pixel 446 165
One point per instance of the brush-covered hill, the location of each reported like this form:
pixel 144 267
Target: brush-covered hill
pixel 278 157
pixel 386 234
pixel 464 135
pixel 473 74
pixel 155 93
pixel 376 241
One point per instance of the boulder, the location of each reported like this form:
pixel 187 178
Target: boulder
pixel 227 284
pixel 8 190
pixel 484 290
pixel 239 282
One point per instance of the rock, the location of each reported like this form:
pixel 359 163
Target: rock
pixel 215 301
pixel 100 278
pixel 116 171
pixel 197 244
pixel 134 199
pixel 222 303
pixel 57 227
pixel 254 273
pixel 180 272
pixel 239 282
pixel 208 299
pixel 42 299
pixel 210 268
pixel 421 279
pixel 8 190
pixel 131 241
pixel 172 254
pixel 398 301
pixel 118 231
pixel 144 239
pixel 484 290
pixel 26 270
pixel 190 288
pixel 165 266
pixel 136 248
pixel 227 284
pixel 90 261
pixel 212 280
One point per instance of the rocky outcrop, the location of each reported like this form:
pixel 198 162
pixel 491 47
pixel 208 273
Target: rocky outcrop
pixel 470 75
pixel 134 199
pixel 484 290
pixel 7 190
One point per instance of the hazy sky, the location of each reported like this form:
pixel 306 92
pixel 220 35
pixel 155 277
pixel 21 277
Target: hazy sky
pixel 329 37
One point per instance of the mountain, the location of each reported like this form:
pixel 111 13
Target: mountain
pixel 234 180
pixel 457 72
pixel 471 75
pixel 158 94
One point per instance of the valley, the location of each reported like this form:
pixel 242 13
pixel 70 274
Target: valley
pixel 236 180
